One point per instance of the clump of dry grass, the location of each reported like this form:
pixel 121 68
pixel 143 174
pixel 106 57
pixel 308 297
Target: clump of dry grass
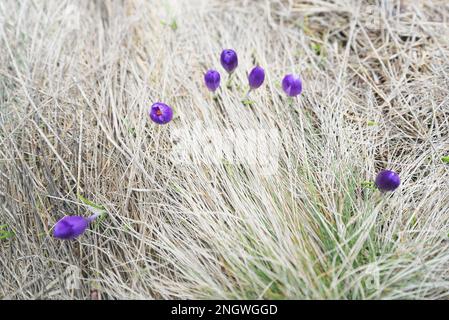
pixel 75 85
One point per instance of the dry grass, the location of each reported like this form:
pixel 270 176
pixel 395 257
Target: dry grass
pixel 77 78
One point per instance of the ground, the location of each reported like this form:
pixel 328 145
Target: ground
pixel 293 215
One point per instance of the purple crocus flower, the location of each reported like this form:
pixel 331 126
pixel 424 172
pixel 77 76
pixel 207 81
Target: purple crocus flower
pixel 212 80
pixel 161 113
pixel 256 77
pixel 387 180
pixel 71 227
pixel 229 60
pixel 292 85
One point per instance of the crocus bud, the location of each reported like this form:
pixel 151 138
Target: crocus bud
pixel 212 80
pixel 387 180
pixel 70 227
pixel 256 77
pixel 229 60
pixel 161 113
pixel 292 85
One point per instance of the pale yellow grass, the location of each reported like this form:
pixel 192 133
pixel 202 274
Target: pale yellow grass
pixel 77 79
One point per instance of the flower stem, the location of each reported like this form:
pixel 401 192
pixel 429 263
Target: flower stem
pixel 94 216
pixel 247 94
pixel 229 82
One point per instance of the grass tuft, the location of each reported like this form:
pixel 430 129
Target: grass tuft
pixel 76 82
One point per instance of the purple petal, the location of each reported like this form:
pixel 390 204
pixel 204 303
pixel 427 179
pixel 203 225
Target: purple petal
pixel 387 180
pixel 70 227
pixel 212 80
pixel 256 77
pixel 161 113
pixel 229 60
pixel 292 85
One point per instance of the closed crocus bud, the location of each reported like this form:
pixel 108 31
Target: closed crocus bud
pixel 70 227
pixel 387 180
pixel 292 85
pixel 161 113
pixel 229 60
pixel 212 80
pixel 256 77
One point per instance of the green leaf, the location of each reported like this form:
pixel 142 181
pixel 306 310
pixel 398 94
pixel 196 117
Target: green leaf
pixel 100 219
pixel 317 48
pixel 278 85
pixel 248 102
pixel 4 233
pixel 371 123
pixel 174 25
pixel 445 159
pixel 368 184
pixel 90 203
pixel 95 209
